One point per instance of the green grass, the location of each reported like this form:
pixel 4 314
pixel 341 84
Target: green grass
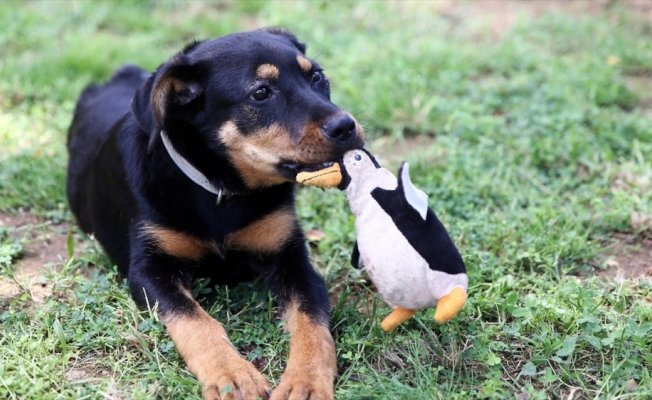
pixel 533 135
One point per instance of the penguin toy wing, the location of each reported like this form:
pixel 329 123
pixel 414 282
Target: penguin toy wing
pixel 416 200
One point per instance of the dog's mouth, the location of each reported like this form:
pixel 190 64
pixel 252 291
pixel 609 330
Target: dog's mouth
pixel 291 169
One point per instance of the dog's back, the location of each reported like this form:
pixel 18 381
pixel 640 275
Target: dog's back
pixel 98 109
pixel 100 106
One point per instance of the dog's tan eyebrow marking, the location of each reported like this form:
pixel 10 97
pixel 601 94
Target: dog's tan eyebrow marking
pixel 267 71
pixel 304 63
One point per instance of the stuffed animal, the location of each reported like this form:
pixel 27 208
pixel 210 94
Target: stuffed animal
pixel 401 243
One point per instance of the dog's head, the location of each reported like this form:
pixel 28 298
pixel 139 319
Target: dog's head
pixel 251 98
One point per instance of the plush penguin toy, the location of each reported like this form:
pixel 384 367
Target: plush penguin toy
pixel 401 243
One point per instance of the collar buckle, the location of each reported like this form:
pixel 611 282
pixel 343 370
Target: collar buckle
pixel 220 193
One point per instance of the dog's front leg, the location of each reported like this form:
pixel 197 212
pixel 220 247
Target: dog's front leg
pixel 199 338
pixel 302 295
pixel 205 346
pixel 312 365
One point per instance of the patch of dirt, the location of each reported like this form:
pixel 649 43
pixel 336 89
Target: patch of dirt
pixel 499 16
pixel 258 361
pixel 643 7
pixel 45 244
pixel 77 374
pixel 642 85
pixel 628 257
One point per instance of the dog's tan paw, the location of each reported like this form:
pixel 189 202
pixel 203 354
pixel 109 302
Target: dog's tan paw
pixel 303 385
pixel 238 380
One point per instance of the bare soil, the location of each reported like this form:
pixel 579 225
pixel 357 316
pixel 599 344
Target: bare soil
pixel 498 16
pixel 45 246
pixel 642 85
pixel 627 257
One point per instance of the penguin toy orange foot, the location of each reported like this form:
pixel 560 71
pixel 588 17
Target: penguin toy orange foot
pixel 401 243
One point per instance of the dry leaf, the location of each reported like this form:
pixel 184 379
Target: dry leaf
pixel 631 385
pixel 315 235
pixel 613 61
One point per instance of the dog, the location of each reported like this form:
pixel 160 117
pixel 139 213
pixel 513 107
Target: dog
pixel 189 172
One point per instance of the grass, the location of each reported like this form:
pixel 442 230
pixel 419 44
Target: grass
pixel 534 134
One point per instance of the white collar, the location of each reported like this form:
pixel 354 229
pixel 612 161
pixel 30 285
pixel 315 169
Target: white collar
pixel 191 172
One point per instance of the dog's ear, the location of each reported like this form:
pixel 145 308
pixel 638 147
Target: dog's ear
pixel 278 30
pixel 175 84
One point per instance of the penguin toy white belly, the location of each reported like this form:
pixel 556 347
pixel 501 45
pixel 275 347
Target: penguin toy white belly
pixel 401 243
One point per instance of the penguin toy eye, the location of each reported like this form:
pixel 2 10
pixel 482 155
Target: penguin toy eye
pixel 358 157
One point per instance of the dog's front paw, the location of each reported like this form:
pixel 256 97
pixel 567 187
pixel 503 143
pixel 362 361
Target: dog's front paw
pixel 303 384
pixel 238 379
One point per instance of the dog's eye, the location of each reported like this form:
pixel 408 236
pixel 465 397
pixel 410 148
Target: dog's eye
pixel 261 93
pixel 316 76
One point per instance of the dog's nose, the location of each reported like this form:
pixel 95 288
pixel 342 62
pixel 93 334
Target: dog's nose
pixel 340 128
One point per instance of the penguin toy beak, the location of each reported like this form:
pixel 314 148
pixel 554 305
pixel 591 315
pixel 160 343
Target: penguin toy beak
pixel 324 178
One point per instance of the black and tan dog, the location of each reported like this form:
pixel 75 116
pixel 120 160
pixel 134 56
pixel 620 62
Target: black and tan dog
pixel 189 172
